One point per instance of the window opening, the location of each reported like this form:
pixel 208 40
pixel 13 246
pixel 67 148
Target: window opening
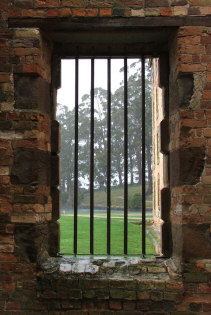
pixel 118 134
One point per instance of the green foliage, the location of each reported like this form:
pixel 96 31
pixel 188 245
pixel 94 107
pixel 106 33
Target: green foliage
pixel 134 201
pixel 117 197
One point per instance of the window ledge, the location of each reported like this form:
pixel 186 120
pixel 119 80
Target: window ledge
pixel 111 267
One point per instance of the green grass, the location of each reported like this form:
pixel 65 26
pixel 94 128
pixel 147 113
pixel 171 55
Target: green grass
pixel 100 236
pixel 117 197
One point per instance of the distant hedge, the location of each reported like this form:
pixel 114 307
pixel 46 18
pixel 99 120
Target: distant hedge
pixel 134 201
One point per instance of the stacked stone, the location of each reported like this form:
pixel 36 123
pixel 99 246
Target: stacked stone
pixel 29 198
pixel 114 8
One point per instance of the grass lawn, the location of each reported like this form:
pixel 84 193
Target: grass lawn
pixel 117 197
pixel 100 235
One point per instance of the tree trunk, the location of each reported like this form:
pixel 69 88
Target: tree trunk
pixel 139 166
pixel 131 171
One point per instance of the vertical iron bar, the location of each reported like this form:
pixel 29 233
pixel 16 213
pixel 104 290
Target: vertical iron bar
pixel 143 160
pixel 92 162
pixel 125 157
pixel 76 159
pixel 109 157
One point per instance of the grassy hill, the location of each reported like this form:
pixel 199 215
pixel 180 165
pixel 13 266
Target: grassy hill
pixel 117 197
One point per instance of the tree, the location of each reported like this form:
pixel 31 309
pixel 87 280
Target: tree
pixel 67 121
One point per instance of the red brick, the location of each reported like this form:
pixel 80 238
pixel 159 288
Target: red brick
pixel 101 3
pixel 15 13
pixel 79 12
pixel 4 77
pixel 208 87
pixel 206 95
pixel 196 40
pixel 206 307
pixel 6 239
pixel 5 207
pixel 206 39
pixel 206 104
pixel 193 49
pixel 138 4
pixel 6 248
pixel 105 12
pixel 5 180
pixel 187 40
pixel 65 12
pixel 155 3
pixel 209 76
pixel 47 3
pixel 199 2
pixel 13 306
pixel 13 116
pixel 129 305
pixel 191 68
pixel 9 286
pixel 52 13
pixel 206 58
pixel 115 305
pixel 199 114
pixel 208 49
pixel 8 257
pixel 75 3
pixel 92 12
pixel 190 31
pixel 166 12
pixel 193 199
pixel 193 123
pixel 200 267
pixel 196 58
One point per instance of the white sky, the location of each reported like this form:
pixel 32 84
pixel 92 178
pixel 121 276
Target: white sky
pixel 66 94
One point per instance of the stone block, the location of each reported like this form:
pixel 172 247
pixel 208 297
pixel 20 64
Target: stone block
pixel 55 196
pixel 163 68
pixel 30 241
pixel 186 166
pixel 32 92
pixel 191 241
pixel 166 239
pixel 165 204
pixel 54 238
pixel 30 166
pixel 55 137
pixel 164 136
pixel 55 170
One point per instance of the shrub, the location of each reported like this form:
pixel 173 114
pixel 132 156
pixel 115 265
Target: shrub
pixel 134 201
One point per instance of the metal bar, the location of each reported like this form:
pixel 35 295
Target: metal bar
pixel 76 160
pixel 92 162
pixel 118 254
pixel 125 157
pixel 143 159
pixel 109 157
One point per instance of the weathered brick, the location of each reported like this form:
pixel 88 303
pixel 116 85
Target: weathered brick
pixel 79 12
pixel 115 305
pixel 47 3
pixel 105 12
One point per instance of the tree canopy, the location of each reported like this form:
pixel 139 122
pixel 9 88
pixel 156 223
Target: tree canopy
pixel 66 117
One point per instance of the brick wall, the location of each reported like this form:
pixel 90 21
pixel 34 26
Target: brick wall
pixel 31 280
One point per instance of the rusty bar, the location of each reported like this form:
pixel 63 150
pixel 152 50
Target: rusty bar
pixel 109 157
pixel 76 160
pixel 143 159
pixel 92 162
pixel 125 157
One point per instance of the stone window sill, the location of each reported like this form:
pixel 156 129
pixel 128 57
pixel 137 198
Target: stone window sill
pixel 111 267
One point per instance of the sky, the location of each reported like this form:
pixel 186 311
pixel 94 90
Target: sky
pixel 66 94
